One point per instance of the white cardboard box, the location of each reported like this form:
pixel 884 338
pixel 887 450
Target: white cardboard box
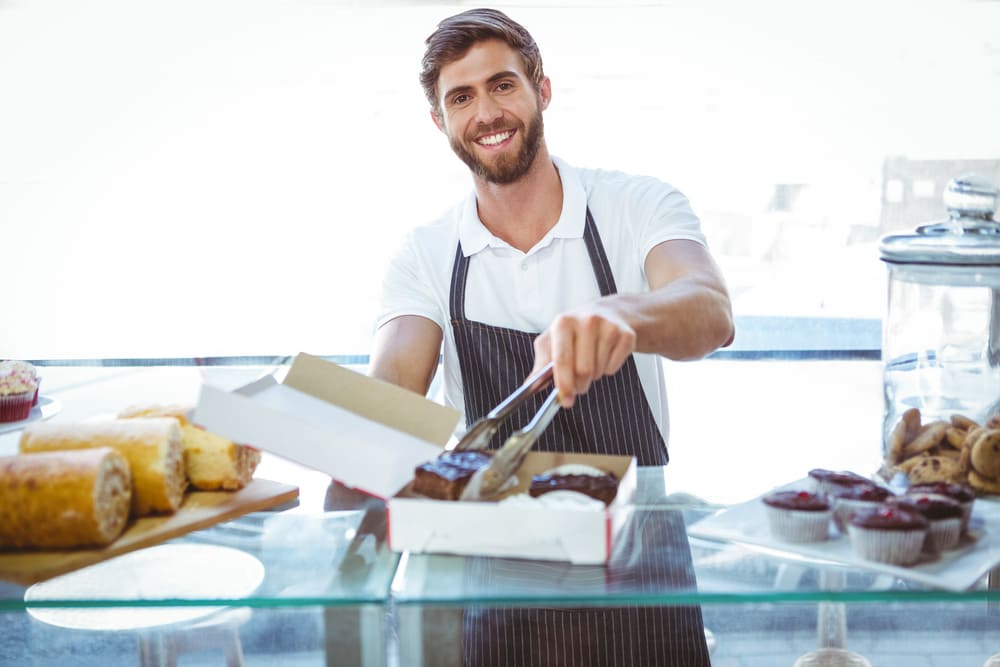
pixel 371 435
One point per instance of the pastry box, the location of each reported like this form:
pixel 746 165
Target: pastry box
pixel 371 435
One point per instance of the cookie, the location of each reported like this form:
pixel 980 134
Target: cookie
pixel 930 435
pixel 985 455
pixel 923 469
pixel 980 483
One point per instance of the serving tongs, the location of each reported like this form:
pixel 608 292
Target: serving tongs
pixel 480 434
pixel 492 478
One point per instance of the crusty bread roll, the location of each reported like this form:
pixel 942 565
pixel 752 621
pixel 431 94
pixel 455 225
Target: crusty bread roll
pixel 211 461
pixel 152 448
pixel 59 500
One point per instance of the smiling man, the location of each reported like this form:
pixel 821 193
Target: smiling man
pixel 599 272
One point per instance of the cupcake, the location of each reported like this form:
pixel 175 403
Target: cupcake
pixel 944 517
pixel 798 516
pixel 26 369
pixel 848 499
pixel 888 534
pixel 17 394
pixel 828 481
pixel 962 493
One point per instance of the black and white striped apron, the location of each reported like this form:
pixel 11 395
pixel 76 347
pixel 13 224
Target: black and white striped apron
pixel 613 417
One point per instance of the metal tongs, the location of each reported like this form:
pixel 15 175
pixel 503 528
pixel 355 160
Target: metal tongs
pixel 492 478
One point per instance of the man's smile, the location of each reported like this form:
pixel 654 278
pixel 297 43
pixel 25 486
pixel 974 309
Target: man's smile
pixel 495 139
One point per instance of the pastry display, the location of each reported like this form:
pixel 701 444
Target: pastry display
pixel 587 480
pixel 152 447
pixel 63 499
pixel 798 515
pixel 888 534
pixel 18 391
pixel 944 518
pixel 959 450
pixel 211 462
pixel 445 477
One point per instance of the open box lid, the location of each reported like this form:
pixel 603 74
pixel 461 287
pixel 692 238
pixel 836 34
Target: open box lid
pixel 364 432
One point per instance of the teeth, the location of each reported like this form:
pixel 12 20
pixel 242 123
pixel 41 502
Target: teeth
pixel 495 139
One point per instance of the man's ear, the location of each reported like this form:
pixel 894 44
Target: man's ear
pixel 438 120
pixel 545 92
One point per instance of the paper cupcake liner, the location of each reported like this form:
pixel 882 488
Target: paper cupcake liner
pixel 16 407
pixel 897 547
pixel 38 386
pixel 944 534
pixel 798 525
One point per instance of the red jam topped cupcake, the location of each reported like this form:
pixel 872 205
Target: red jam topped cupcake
pixel 17 392
pixel 888 534
pixel 963 493
pixel 804 501
pixel 798 516
pixel 886 517
pixel 943 514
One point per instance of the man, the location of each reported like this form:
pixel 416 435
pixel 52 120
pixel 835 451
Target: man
pixel 598 272
pixel 505 280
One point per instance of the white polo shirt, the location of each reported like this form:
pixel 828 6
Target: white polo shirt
pixel 525 291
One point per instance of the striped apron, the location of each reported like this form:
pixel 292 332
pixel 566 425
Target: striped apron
pixel 613 417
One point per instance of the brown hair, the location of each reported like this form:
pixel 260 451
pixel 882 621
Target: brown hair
pixel 456 34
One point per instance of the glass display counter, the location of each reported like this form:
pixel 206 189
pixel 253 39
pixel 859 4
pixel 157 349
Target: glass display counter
pixel 328 591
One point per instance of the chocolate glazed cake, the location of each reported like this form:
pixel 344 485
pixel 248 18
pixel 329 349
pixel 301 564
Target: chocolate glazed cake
pixel 445 477
pixel 602 487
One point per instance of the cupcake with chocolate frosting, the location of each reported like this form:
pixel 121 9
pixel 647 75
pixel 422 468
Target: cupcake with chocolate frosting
pixel 888 534
pixel 798 515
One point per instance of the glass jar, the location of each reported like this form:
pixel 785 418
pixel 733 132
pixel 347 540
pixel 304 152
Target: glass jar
pixel 941 335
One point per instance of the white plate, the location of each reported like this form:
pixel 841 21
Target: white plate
pixel 168 571
pixel 956 569
pixel 46 409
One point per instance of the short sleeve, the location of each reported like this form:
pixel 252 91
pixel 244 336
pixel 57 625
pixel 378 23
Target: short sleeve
pixel 406 287
pixel 665 215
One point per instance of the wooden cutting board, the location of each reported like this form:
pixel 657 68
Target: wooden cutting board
pixel 200 509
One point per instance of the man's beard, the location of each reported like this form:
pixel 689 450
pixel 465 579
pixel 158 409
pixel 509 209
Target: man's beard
pixel 504 169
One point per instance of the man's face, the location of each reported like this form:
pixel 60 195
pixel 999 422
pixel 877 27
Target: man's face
pixel 491 112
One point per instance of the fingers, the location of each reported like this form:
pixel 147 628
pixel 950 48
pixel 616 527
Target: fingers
pixel 583 349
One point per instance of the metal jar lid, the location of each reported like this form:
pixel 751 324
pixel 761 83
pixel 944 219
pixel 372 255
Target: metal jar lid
pixel 970 236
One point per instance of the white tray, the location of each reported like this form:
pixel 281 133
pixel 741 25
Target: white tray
pixel 956 569
pixel 46 409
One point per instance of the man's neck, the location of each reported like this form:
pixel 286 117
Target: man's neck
pixel 523 212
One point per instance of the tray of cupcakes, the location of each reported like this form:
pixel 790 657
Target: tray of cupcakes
pixel 939 534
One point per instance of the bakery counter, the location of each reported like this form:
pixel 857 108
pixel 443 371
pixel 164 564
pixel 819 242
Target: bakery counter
pixel 312 582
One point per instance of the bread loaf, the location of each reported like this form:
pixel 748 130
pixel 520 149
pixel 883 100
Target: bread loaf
pixel 152 448
pixel 57 500
pixel 211 461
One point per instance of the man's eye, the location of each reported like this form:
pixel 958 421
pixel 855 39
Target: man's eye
pixel 505 85
pixel 460 99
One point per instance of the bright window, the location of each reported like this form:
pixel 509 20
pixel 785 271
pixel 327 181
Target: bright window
pixel 223 177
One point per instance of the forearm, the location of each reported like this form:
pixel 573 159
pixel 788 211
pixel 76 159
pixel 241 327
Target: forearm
pixel 687 319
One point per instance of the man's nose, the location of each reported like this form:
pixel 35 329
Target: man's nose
pixel 487 110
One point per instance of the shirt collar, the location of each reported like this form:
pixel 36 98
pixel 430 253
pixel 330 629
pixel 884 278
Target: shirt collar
pixel 474 236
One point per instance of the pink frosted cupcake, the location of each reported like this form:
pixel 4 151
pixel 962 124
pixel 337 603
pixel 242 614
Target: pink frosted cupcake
pixel 25 369
pixel 888 534
pixel 17 393
pixel 798 516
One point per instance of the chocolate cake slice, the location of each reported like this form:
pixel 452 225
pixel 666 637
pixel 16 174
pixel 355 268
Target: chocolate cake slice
pixel 602 487
pixel 445 477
